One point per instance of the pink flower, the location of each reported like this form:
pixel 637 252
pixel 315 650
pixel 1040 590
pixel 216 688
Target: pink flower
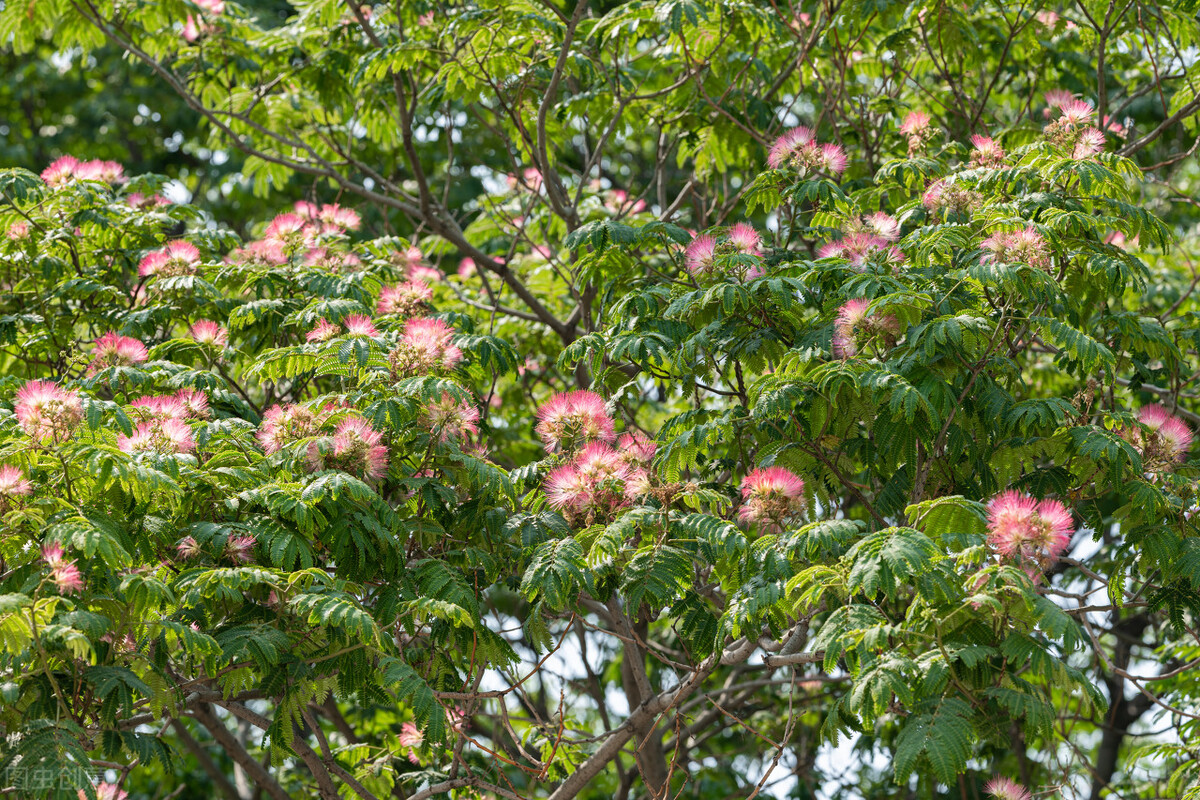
pixel 163 435
pixel 1090 143
pixel 47 413
pixel 1005 789
pixel 411 738
pixel 188 548
pixel 863 250
pixel 106 791
pixel 209 333
pixel 65 574
pixel 467 268
pixel 18 230
pixel 745 239
pixel 915 124
pixel 569 420
pixel 240 548
pixel 592 486
pixel 191 30
pixel 1167 441
pixel 109 172
pixel 405 299
pixel 324 331
pixel 194 403
pixel 448 419
pixel 770 496
pixel 211 6
pixel 337 218
pixel 700 255
pixel 60 171
pixel 360 325
pixel 265 252
pixel 159 407
pixel 408 260
pixel 425 346
pixel 426 274
pixel 1057 98
pixel 177 258
pixel 114 350
pixel 1076 112
pixel 1027 530
pixel 1025 246
pixel 284 424
pixel 833 159
pixel 854 323
pixel 12 485
pixel 356 447
pixel 986 152
pixel 290 231
pixel 637 448
pixel 883 225
pixel 788 146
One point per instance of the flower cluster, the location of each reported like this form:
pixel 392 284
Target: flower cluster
pixel 1006 789
pixel 12 486
pixel 177 258
pixel 944 195
pixel 355 447
pixel 425 346
pixel 799 149
pixel 412 261
pixel 159 435
pixel 450 420
pixel 46 412
pixel 770 496
pixel 596 484
pixel 1072 130
pixel 918 130
pixel 114 350
pixel 1034 533
pixel 283 425
pixel 406 299
pixel 986 152
pixel 207 332
pixel 70 168
pixel 865 249
pixel 701 256
pixel 570 420
pixel 855 326
pixel 65 574
pixel 1163 439
pixel 1025 246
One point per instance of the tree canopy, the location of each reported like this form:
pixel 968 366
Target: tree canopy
pixel 612 399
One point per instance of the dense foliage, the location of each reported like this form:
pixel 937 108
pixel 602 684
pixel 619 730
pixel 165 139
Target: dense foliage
pixel 650 400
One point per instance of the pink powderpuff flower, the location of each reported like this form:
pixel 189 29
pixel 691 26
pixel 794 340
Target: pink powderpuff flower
pixel 467 268
pixel 109 172
pixel 636 447
pixel 60 171
pixel 265 252
pixel 986 152
pixel 883 225
pixel 1169 437
pixel 448 419
pixel 1076 112
pixel 411 738
pixel 1090 143
pixel 1005 789
pixel 1034 532
pixel 291 231
pixel 863 250
pixel 405 299
pixel 47 413
pixel 593 486
pixel 854 322
pixel 915 124
pixel 188 548
pixel 770 496
pixel 356 447
pixel 65 574
pixel 310 211
pixel 207 332
pixel 745 239
pixel 425 346
pixel 106 791
pixel 240 549
pixel 340 219
pixel 177 258
pixel 282 425
pixel 12 485
pixel 1025 246
pixel 360 325
pixel 211 6
pixel 17 231
pixel 191 29
pixel 165 436
pixel 409 259
pixel 114 350
pixel 159 407
pixel 833 159
pixel 700 255
pixel 324 331
pixel 1112 126
pixel 791 144
pixel 569 420
pixel 194 402
pixel 427 274
pixel 1057 98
